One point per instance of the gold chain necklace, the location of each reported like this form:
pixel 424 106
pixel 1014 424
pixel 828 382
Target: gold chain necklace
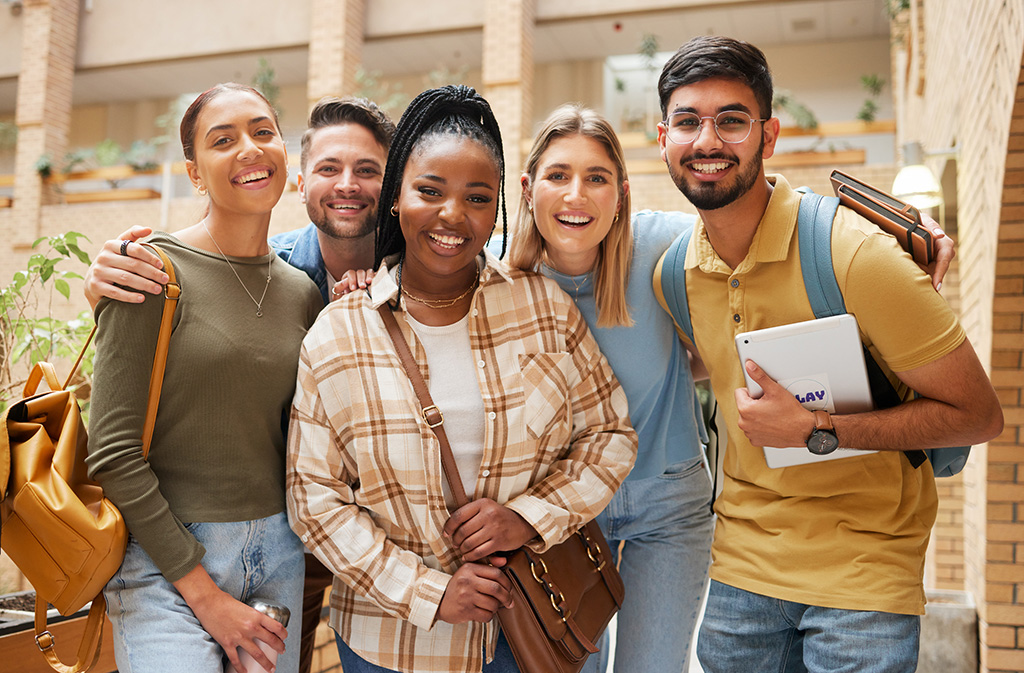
pixel 436 303
pixel 259 304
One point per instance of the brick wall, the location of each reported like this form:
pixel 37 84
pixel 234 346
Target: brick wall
pixel 960 83
pixel 335 47
pixel 43 114
pixel 1004 580
pixel 508 78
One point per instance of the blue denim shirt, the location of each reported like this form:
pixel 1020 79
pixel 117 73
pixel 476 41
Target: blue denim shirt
pixel 301 249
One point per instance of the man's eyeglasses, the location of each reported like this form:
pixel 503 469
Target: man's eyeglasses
pixel 732 126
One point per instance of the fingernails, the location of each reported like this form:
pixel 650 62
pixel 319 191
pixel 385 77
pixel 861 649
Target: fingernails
pixel 938 286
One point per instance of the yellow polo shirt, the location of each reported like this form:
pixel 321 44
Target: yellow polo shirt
pixel 849 533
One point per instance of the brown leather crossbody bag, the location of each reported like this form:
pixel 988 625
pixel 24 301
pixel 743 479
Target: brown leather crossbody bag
pixel 564 598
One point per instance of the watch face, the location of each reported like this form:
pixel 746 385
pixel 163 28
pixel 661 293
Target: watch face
pixel 822 442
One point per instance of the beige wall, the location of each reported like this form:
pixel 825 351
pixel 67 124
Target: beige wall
pixel 128 31
pixel 10 43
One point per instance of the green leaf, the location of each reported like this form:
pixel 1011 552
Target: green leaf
pixel 62 286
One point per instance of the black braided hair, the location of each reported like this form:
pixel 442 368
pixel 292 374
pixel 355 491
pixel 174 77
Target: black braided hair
pixel 446 111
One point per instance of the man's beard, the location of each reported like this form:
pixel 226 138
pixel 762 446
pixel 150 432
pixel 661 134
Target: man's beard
pixel 364 227
pixel 714 195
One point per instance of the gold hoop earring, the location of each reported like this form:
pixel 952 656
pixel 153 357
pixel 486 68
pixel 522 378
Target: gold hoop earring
pixel 616 219
pixel 394 211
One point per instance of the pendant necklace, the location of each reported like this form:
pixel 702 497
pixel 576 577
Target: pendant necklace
pixel 576 286
pixel 259 304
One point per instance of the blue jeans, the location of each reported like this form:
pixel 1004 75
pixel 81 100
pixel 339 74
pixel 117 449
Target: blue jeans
pixel 351 662
pixel 154 629
pixel 744 632
pixel 666 525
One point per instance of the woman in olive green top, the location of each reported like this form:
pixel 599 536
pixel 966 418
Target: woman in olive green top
pixel 206 512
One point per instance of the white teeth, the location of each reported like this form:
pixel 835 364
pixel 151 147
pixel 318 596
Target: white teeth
pixel 574 219
pixel 256 175
pixel 709 167
pixel 344 207
pixel 447 241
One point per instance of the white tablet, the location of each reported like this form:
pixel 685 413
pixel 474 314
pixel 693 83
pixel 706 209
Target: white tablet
pixel 822 363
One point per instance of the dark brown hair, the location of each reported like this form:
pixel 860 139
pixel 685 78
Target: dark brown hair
pixel 709 56
pixel 332 111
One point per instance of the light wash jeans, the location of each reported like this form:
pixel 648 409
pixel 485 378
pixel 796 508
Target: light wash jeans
pixel 351 662
pixel 744 632
pixel 154 629
pixel 666 525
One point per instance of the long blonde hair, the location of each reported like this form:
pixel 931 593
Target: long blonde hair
pixel 615 252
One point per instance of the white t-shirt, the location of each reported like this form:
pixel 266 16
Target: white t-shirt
pixel 456 392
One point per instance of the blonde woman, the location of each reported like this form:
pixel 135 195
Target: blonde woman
pixel 574 226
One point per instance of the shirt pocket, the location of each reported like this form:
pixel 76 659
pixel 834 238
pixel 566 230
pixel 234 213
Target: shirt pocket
pixel 547 411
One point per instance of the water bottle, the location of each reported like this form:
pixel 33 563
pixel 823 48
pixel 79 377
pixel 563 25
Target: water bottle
pixel 274 611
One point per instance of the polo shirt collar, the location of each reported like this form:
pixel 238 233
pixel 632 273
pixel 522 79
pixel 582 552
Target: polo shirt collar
pixel 771 242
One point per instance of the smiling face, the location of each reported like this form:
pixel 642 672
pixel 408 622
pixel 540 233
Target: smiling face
pixel 713 174
pixel 341 181
pixel 575 196
pixel 240 158
pixel 447 205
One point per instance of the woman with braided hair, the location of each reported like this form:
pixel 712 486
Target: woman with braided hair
pixel 536 420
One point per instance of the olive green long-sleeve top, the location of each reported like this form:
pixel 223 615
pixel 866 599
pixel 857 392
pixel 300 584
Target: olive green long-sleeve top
pixel 218 448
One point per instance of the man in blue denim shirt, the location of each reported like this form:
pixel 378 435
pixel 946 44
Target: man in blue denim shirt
pixel 344 151
pixel 343 155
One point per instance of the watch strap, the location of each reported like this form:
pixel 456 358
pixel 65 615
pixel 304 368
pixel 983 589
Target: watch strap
pixel 822 420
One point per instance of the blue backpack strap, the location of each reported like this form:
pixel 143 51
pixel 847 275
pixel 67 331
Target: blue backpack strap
pixel 673 282
pixel 814 226
pixel 814 223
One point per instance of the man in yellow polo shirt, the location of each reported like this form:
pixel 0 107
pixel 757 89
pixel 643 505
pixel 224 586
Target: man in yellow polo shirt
pixel 816 567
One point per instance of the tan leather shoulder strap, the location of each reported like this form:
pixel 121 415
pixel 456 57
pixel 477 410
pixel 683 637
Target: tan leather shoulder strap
pixel 431 414
pixel 92 638
pixel 172 292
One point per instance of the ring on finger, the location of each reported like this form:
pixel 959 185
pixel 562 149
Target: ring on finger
pixel 124 248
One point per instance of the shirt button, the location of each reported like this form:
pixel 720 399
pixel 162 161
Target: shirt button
pixel 492 415
pixel 486 473
pixel 475 313
pixel 480 364
pixel 735 317
pixel 735 282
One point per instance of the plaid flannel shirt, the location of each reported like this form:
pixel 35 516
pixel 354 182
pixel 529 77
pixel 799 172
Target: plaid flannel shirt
pixel 364 469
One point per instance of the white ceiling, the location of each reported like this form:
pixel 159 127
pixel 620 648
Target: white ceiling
pixel 767 25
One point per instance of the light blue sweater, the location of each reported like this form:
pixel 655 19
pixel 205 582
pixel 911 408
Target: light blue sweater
pixel 648 358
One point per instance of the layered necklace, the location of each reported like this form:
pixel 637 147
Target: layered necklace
pixel 259 304
pixel 434 303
